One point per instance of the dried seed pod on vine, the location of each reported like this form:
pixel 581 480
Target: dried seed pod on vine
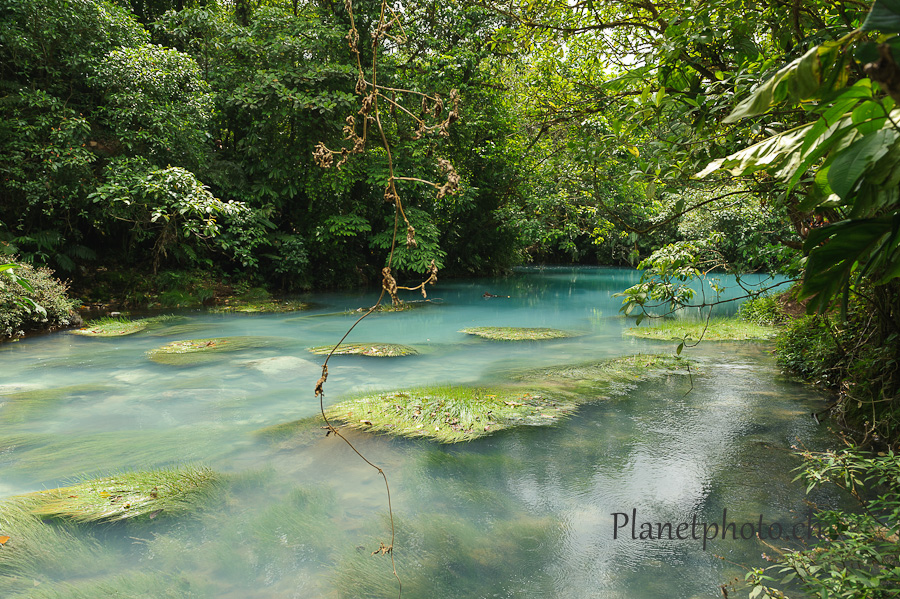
pixel 390 285
pixel 323 156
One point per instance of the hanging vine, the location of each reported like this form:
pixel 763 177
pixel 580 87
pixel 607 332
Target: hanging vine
pixel 434 118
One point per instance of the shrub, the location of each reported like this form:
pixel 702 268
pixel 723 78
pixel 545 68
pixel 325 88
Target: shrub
pixel 808 348
pixel 858 554
pixel 32 299
pixel 763 310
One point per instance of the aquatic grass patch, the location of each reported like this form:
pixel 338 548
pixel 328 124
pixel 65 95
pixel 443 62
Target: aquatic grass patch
pixel 186 328
pixel 270 306
pixel 119 326
pixel 450 414
pixel 189 352
pixel 266 531
pixel 378 350
pixel 35 548
pixel 23 405
pixel 587 380
pixel 541 397
pixel 128 495
pixel 297 529
pixel 62 456
pixel 133 585
pixel 718 329
pixel 306 429
pixel 380 309
pixel 457 557
pixel 517 333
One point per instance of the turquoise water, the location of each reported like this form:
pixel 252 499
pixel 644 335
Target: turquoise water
pixel 525 513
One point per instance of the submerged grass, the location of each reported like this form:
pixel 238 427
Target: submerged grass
pixel 517 333
pixel 58 457
pixel 127 496
pixel 35 549
pixel 196 351
pixel 378 350
pixel 272 538
pixel 119 326
pixel 135 585
pixel 307 429
pixel 458 557
pixel 719 329
pixel 22 405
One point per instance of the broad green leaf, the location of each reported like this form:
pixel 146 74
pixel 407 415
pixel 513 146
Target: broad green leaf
pixel 884 16
pixel 869 117
pixel 772 154
pixel 833 252
pixel 820 145
pixel 839 107
pixel 765 95
pixel 851 163
pixel 660 95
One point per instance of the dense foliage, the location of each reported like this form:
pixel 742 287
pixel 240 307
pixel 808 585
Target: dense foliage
pixel 32 299
pixel 181 135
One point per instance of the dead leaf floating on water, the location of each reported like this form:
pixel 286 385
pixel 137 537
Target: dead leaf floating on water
pixel 3 540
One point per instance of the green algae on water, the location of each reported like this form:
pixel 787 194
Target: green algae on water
pixel 378 350
pixel 717 329
pixel 517 333
pixel 127 496
pixel 196 351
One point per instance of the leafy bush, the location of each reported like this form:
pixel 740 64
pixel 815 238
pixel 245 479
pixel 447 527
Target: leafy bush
pixel 858 554
pixel 808 348
pixel 763 309
pixel 32 299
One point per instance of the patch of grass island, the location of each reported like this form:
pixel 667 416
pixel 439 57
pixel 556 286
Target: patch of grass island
pixel 718 329
pixel 517 333
pixel 377 350
pixel 119 326
pixel 126 496
pixel 197 351
pixel 540 397
pixel 270 306
pixel 449 414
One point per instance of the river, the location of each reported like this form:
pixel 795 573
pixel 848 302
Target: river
pixel 534 512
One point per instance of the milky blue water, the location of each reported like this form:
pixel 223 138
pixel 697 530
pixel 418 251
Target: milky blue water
pixel 529 512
